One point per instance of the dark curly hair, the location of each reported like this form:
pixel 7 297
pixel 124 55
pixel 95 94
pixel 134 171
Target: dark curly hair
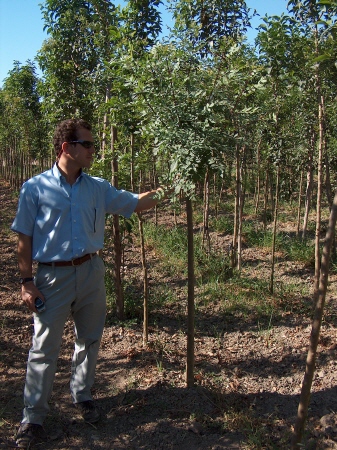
pixel 66 131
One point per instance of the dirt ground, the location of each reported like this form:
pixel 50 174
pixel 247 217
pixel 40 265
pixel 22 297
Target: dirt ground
pixel 247 379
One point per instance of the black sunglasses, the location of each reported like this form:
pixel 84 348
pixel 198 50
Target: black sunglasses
pixel 86 144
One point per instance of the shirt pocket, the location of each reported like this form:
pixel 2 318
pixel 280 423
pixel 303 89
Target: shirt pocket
pixel 99 221
pixel 94 220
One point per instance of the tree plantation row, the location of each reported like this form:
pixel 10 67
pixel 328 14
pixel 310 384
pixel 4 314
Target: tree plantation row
pixel 200 110
pixel 198 105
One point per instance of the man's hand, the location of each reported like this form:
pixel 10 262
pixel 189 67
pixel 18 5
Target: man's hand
pixel 29 292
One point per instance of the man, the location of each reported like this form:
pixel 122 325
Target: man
pixel 60 224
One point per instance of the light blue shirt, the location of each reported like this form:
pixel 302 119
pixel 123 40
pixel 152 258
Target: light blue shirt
pixel 66 221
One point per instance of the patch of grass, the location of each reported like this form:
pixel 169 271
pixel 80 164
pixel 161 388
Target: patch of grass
pixel 217 283
pixel 239 299
pixel 294 248
pixel 5 231
pixel 250 299
pixel 223 224
pixel 260 432
pixel 198 215
pixel 171 244
pixel 333 264
pixel 211 267
pixel 161 295
pixel 255 236
pixel 246 297
pixel 159 364
pixel 238 415
pixel 210 293
pixel 3 323
pixel 293 298
pixel 133 302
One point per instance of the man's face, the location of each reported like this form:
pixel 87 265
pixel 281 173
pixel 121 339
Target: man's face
pixel 80 154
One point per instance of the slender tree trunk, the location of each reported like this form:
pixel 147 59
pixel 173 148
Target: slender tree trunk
pixel 222 188
pixel 9 166
pixel 329 196
pixel 243 177
pixel 240 213
pixel 319 195
pixel 265 201
pixel 51 157
pixel 105 123
pixel 299 205
pixel 303 406
pixel 30 162
pixel 18 167
pixel 237 207
pixel 258 181
pixel 132 168
pixel 215 196
pixel 271 187
pixel 114 168
pixel 271 285
pixel 22 168
pixel 143 253
pixel 308 193
pixel 5 166
pixel 190 296
pixel 205 236
pixel 327 177
pixel 118 268
pixel 117 235
pixel 145 283
pixel 154 177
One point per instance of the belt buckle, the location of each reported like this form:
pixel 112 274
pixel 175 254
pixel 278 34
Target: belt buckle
pixel 73 262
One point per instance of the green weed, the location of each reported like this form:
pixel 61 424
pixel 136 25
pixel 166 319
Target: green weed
pixel 296 249
pixel 171 244
pixel 243 294
pixel 223 224
pixel 256 236
pixel 161 295
pixel 292 247
pixel 159 364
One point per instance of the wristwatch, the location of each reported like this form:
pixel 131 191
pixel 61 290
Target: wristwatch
pixel 25 280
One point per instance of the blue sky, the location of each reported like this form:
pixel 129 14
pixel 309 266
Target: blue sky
pixel 21 28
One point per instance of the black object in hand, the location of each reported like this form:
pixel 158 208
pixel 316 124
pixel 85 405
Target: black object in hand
pixel 39 305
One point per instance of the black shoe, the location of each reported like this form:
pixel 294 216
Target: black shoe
pixel 27 433
pixel 89 411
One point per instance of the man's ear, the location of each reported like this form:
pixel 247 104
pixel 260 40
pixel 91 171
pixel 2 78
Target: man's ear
pixel 64 149
pixel 65 146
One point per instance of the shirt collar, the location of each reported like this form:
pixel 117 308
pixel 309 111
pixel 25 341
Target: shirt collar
pixel 58 175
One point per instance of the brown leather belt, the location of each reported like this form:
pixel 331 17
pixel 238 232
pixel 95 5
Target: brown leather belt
pixel 73 262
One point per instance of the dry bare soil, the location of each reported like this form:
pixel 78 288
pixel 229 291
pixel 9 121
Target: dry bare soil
pixel 247 376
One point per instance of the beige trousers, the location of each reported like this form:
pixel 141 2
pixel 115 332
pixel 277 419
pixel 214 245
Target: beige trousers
pixel 78 291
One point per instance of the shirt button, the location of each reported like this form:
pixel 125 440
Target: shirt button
pixel 74 221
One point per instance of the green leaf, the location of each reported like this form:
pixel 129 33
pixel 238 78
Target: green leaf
pixel 321 58
pixel 327 3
